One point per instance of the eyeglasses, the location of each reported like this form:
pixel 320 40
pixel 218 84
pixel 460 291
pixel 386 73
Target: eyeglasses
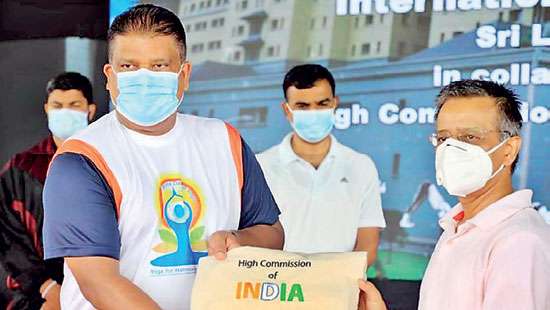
pixel 470 136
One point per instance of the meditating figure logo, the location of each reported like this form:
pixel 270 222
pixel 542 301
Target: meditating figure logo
pixel 181 208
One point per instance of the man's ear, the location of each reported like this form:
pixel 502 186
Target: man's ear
pixel 46 108
pixel 336 101
pixel 186 71
pixel 111 85
pixel 92 109
pixel 512 148
pixel 286 111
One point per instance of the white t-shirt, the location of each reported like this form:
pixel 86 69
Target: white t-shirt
pixel 171 192
pixel 322 209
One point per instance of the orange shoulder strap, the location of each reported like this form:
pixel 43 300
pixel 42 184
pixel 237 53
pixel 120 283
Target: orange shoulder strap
pixel 85 149
pixel 237 152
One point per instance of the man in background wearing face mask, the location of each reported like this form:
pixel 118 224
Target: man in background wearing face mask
pixel 494 252
pixel 26 280
pixel 135 200
pixel 328 193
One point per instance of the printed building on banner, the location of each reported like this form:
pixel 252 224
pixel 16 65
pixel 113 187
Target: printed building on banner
pixel 387 112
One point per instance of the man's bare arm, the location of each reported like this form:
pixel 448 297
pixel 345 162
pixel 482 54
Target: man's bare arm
pixel 103 286
pixel 367 240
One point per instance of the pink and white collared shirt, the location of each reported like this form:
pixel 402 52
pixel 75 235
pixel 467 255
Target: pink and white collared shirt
pixel 499 259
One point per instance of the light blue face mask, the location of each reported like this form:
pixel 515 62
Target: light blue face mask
pixel 313 125
pixel 63 123
pixel 147 97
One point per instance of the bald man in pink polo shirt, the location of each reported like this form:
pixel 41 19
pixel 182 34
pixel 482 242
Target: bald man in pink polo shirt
pixel 494 252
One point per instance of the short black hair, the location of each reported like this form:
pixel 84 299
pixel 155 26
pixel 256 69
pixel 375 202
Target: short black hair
pixel 149 18
pixel 305 76
pixel 506 100
pixel 71 80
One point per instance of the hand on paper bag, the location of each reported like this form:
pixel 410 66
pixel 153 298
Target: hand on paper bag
pixel 369 297
pixel 221 242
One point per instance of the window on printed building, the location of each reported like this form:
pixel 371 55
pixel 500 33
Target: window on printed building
pixel 365 49
pixel 222 21
pixel 237 56
pixel 240 30
pixel 274 24
pixel 442 37
pixel 457 33
pixel 209 3
pixel 270 51
pixel 252 117
pixel 325 19
pixel 244 4
pixel 395 165
pixel 369 20
pixel 214 45
pixel 378 46
pixel 201 6
pixel 193 7
pixel 312 23
pixel 515 16
pixel 197 48
pixel 353 48
pixel 356 22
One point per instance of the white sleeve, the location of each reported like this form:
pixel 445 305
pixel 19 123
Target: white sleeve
pixel 371 204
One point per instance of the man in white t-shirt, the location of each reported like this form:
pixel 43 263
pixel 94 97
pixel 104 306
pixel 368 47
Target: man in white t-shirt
pixel 328 193
pixel 132 202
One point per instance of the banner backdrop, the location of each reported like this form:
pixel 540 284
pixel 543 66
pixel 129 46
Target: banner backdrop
pixel 389 59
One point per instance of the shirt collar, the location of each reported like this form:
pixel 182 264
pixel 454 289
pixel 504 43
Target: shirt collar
pixel 288 155
pixel 493 214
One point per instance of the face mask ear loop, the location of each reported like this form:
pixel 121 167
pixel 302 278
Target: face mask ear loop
pixel 497 172
pixel 288 107
pixel 181 68
pixel 491 151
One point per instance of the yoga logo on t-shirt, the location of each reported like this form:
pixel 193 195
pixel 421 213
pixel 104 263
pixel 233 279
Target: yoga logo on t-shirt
pixel 180 208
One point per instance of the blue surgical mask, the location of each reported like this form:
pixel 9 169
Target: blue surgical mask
pixel 312 125
pixel 147 97
pixel 63 123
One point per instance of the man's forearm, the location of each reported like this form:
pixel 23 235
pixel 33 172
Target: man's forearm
pixel 367 240
pixel 102 285
pixel 265 236
pixel 117 293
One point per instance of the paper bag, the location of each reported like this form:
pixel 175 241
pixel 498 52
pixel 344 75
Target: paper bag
pixel 256 278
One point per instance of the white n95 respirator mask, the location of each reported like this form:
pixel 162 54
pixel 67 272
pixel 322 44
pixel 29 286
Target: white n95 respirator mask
pixel 464 168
